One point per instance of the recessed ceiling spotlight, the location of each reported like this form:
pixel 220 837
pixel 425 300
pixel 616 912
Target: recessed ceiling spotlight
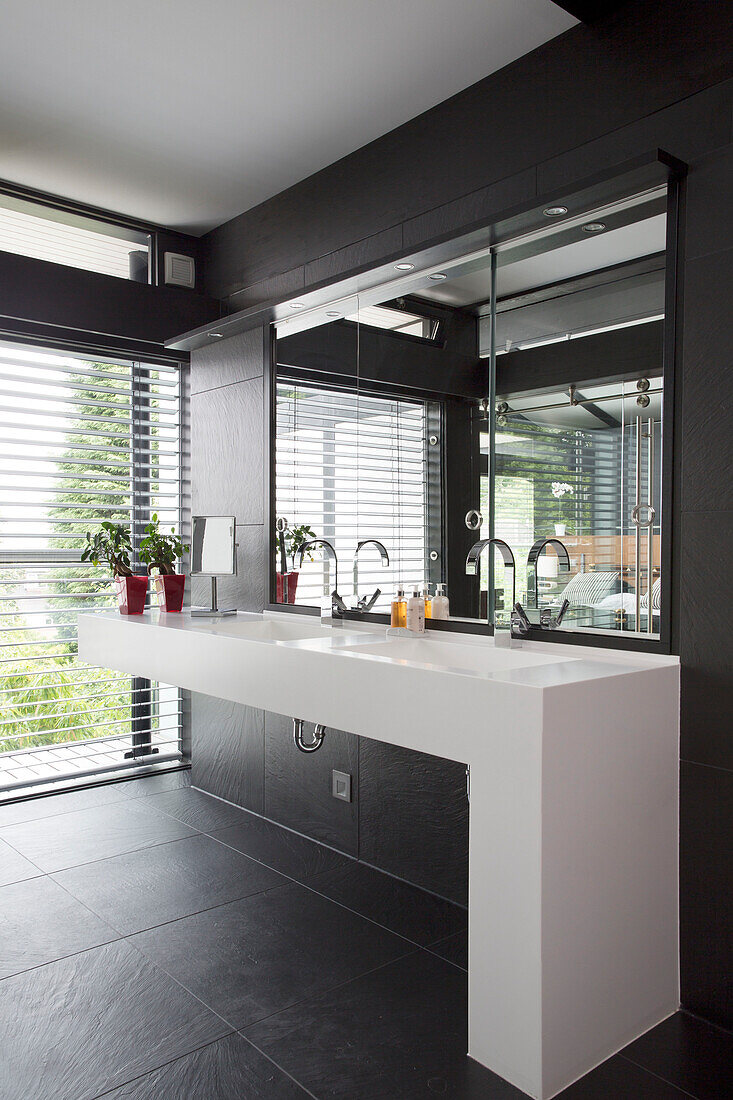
pixel 333 313
pixel 555 211
pixel 438 276
pixel 216 335
pixel 404 267
pixel 296 305
pixel 594 227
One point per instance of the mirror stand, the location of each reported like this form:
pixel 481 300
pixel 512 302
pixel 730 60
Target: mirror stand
pixel 214 611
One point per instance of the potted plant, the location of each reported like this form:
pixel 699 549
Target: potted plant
pixel 559 489
pixel 113 545
pixel 160 551
pixel 292 539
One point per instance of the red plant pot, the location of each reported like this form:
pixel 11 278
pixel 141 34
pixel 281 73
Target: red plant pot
pixel 292 586
pixel 169 587
pixel 131 593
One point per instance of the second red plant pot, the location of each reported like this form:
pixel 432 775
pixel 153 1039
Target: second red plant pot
pixel 169 587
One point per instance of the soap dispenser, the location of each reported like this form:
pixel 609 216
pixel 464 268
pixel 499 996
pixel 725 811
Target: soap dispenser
pixel 427 601
pixel 440 606
pixel 416 613
pixel 398 615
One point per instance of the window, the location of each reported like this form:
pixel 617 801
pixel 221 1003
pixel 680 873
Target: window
pixel 353 466
pixel 31 229
pixel 81 440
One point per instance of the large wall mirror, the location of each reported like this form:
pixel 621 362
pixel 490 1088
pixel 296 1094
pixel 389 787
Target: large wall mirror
pixel 514 393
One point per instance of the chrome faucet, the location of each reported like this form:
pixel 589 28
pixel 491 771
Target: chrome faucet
pixel 363 604
pixel 502 635
pixel 532 558
pixel 335 608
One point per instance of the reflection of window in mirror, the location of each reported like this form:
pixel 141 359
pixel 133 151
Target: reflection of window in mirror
pixel 579 337
pixel 376 437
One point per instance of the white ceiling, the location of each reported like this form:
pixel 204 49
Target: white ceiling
pixel 186 113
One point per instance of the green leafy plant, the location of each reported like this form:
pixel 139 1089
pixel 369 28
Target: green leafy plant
pixel 158 550
pixel 113 545
pixel 295 537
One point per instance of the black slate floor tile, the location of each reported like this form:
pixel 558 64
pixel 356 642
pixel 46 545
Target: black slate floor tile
pixel 287 852
pixel 688 1053
pixel 40 922
pixel 259 955
pixel 156 784
pixel 404 909
pixel 142 889
pixel 230 1069
pixel 619 1079
pixel 51 805
pixel 14 867
pixel 96 833
pixel 196 809
pixel 398 1032
pixel 82 1026
pixel 454 949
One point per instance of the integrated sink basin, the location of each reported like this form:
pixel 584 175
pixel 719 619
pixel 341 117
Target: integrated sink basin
pixel 268 630
pixel 453 657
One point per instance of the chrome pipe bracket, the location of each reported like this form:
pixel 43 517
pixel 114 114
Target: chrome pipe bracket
pixel 319 733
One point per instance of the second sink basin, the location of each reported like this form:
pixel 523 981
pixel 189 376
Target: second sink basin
pixel 475 659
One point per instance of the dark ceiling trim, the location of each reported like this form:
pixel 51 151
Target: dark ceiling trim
pixel 590 11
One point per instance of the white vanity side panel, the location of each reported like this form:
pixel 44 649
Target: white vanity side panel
pixel 505 902
pixel 610 950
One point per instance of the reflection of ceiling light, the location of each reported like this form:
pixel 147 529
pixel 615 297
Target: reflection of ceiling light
pixel 554 211
pixel 438 277
pixel 296 305
pixel 404 267
pixel 333 313
pixel 594 227
pixel 216 335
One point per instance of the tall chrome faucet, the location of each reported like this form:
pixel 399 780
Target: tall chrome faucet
pixel 334 607
pixel 363 604
pixel 472 568
pixel 532 557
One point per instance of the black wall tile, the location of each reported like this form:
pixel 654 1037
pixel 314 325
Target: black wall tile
pixel 278 287
pixel 227 754
pixel 367 252
pixel 298 785
pixel 226 361
pixel 424 800
pixel 706 889
pixel 709 209
pixel 227 451
pixel 687 130
pixel 480 207
pixel 707 381
pixel 705 647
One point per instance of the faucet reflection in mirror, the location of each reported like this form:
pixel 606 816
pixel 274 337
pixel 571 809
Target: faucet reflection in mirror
pixel 363 604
